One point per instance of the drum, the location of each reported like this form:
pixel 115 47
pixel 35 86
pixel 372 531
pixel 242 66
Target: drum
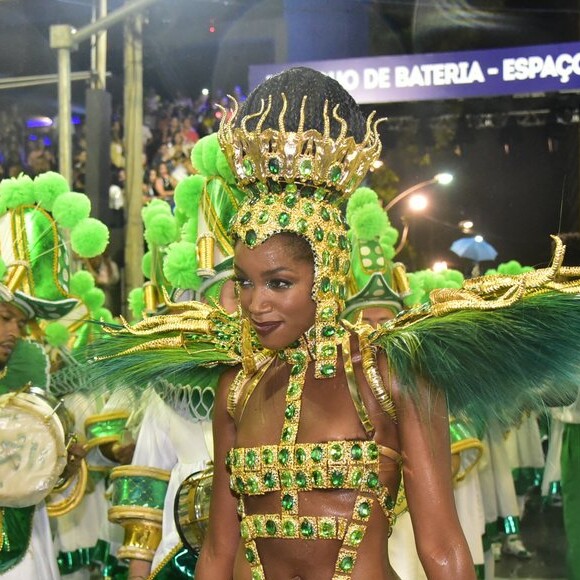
pixel 191 508
pixel 34 428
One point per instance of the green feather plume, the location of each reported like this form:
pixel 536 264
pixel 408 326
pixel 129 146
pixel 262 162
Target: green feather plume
pixel 492 363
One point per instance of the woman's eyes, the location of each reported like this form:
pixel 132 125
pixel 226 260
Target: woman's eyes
pixel 275 284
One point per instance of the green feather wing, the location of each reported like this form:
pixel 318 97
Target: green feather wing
pixel 494 362
pixel 190 346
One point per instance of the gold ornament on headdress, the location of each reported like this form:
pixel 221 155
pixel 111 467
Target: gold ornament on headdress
pixel 295 181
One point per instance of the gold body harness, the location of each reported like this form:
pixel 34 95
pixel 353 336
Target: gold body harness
pixel 292 468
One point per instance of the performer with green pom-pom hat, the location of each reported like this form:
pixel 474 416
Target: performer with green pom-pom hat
pixel 34 286
pixel 188 256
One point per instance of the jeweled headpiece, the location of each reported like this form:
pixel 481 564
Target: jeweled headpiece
pixel 295 182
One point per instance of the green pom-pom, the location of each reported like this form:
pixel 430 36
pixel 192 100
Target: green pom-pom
pixel 17 191
pixel 3 268
pixel 161 230
pixel 3 206
pixel 180 217
pixel 56 334
pixel 103 315
pixel 203 154
pixel 70 208
pixel 94 299
pixel 146 264
pixel 89 238
pixel 48 187
pixel 81 282
pixel 136 301
pixel 361 197
pixel 188 193
pixel 153 208
pixel 180 264
pixel 189 231
pixel 223 168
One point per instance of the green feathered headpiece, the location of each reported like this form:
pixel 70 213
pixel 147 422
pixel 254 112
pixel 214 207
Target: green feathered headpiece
pixel 194 251
pixel 374 279
pixel 33 214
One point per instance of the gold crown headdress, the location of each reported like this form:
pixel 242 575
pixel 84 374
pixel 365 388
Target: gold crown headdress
pixel 295 182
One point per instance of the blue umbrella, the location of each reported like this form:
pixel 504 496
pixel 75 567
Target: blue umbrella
pixel 474 248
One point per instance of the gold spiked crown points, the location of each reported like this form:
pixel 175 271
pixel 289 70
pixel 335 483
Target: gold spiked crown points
pixel 261 156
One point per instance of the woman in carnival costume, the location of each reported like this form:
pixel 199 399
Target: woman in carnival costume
pixel 34 287
pixel 316 419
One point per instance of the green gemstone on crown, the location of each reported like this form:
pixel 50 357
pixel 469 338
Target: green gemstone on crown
pixel 326 530
pixel 328 331
pixel 342 242
pixel 372 451
pixel 336 452
pixel 289 528
pixel 249 167
pixel 346 564
pixel 327 313
pixel 300 455
pixel 257 574
pixel 308 209
pixel 274 165
pixel 250 556
pixel 270 199
pixel 240 486
pixel 306 529
pixel 290 200
pixel 258 526
pixel 263 216
pixel 251 238
pixel 271 527
pixel 301 479
pixel 290 188
pixel 318 233
pixel 290 411
pixel 335 173
pixel 246 218
pixel 345 266
pixel 287 434
pixel 284 219
pixel 269 480
pixel 320 194
pixel 286 479
pixel 305 167
pixel 325 284
pixel 252 485
pixel 328 350
pixel 301 225
pixel 364 510
pixel 372 480
pixel 294 389
pixel 356 452
pixel 356 478
pixel 325 258
pixel 325 214
pixel 287 502
pixel 317 478
pixel 251 458
pixel 337 478
pixel 261 187
pixel 331 238
pixel 268 456
pixel 316 454
pixel 283 456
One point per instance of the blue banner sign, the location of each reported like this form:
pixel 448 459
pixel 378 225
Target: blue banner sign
pixel 449 75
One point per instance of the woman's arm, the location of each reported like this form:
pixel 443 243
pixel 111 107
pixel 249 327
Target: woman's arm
pixel 218 552
pixel 425 447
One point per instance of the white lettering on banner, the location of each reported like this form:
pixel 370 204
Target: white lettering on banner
pixel 439 74
pixel 525 68
pixel 348 78
pixel 377 78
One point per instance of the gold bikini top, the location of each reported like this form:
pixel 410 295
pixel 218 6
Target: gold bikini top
pixel 291 468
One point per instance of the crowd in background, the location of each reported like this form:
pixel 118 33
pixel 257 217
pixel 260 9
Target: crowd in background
pixel 170 129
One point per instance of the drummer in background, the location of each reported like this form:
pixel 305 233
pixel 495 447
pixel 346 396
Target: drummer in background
pixel 33 285
pixel 175 436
